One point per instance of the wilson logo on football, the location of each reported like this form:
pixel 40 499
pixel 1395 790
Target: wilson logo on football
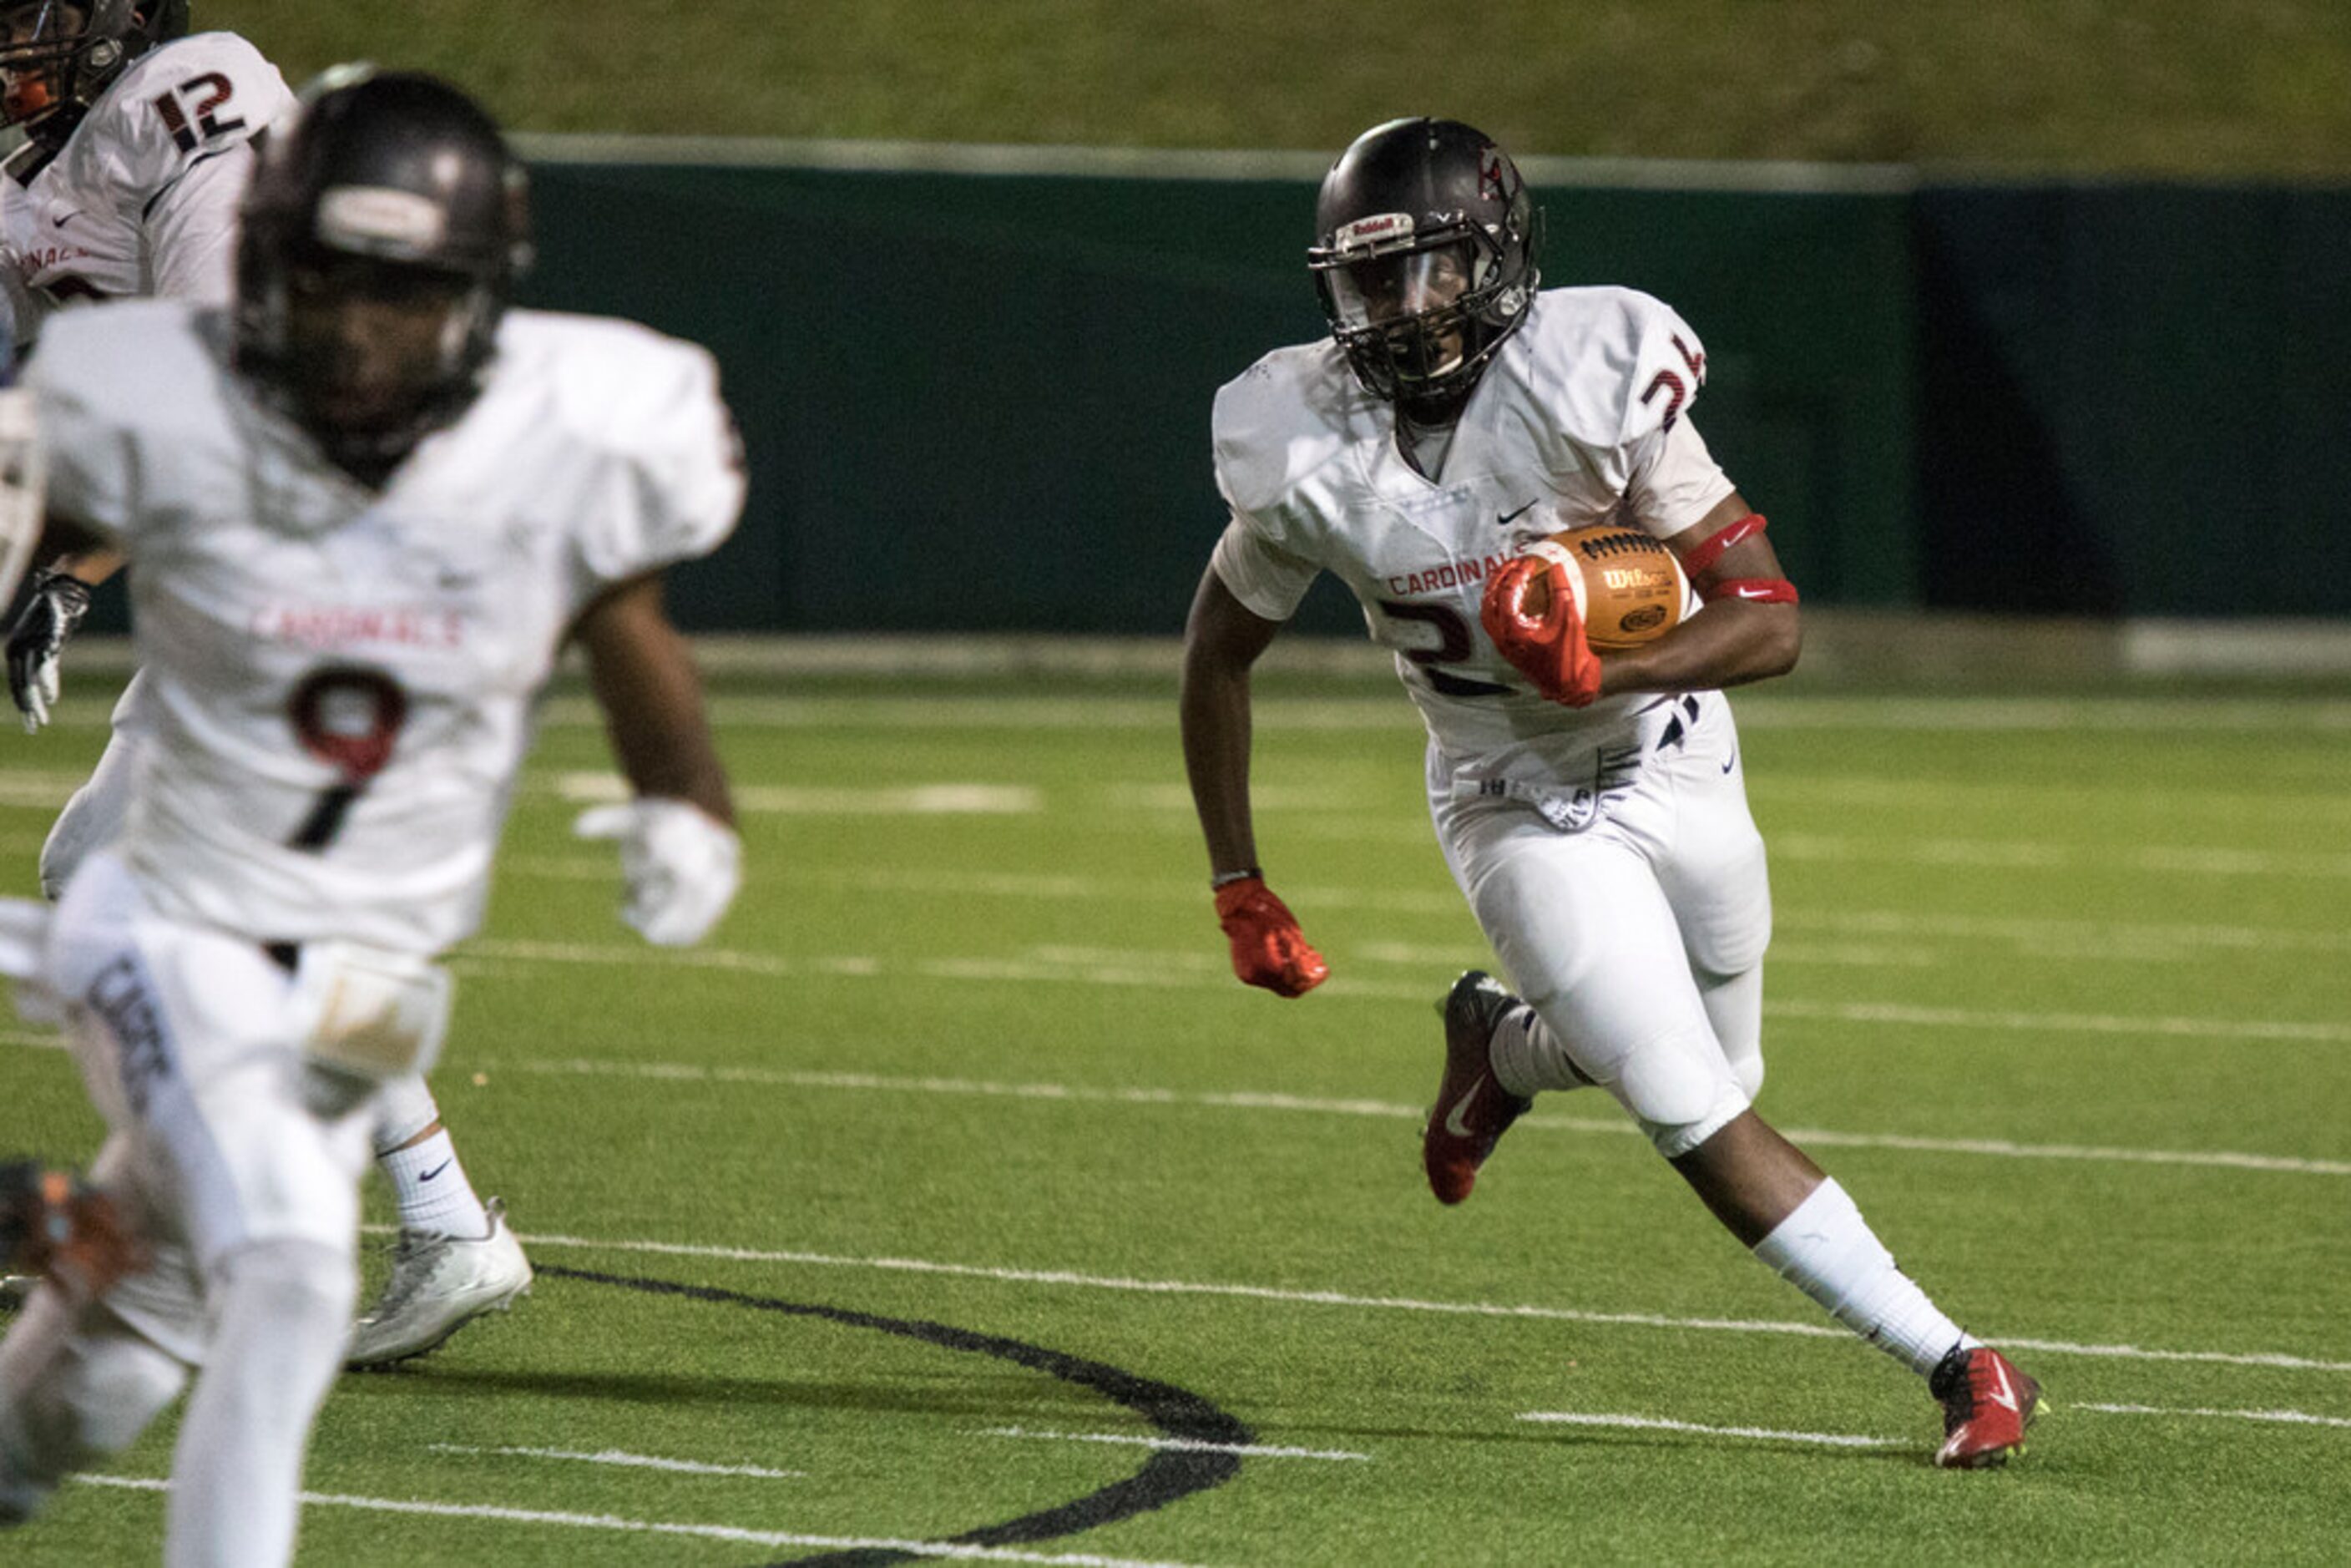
pixel 1629 586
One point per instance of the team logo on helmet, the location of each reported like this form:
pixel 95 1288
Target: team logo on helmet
pixel 1495 177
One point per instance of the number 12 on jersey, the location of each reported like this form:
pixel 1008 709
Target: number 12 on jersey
pixel 204 97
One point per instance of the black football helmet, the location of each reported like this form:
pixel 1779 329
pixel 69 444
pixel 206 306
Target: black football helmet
pixel 382 186
pixel 59 55
pixel 1424 259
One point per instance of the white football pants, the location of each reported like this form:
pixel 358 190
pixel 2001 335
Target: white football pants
pixel 242 1165
pixel 1638 939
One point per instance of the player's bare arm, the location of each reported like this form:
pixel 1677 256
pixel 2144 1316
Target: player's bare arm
pixel 678 850
pixel 1738 640
pixel 644 679
pixel 1222 640
pixel 89 564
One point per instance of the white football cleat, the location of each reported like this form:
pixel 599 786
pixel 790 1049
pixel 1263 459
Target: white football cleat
pixel 438 1285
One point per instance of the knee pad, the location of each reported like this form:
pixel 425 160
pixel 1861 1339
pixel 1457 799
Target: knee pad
pixel 1678 1087
pixel 1673 1140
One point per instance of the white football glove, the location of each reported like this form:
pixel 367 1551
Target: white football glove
pixel 681 866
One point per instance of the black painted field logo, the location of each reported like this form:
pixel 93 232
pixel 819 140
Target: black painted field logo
pixel 1169 1476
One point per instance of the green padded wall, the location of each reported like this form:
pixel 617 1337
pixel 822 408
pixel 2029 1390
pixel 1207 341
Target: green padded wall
pixel 980 402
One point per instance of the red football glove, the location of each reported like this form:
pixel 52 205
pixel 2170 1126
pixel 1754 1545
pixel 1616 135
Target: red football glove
pixel 52 1225
pixel 1548 648
pixel 1268 949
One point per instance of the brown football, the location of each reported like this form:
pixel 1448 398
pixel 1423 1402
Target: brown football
pixel 1629 585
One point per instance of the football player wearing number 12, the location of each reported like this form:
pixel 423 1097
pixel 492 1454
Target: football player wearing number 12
pixel 363 509
pixel 140 140
pixel 1590 807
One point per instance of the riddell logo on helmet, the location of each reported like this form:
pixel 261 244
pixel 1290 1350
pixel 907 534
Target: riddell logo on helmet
pixel 1373 230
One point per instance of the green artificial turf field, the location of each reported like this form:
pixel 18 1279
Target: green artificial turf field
pixel 956 1184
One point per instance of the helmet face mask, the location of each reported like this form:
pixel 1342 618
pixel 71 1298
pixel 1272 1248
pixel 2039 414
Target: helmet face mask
pixel 369 344
pixel 57 56
pixel 1426 261
pixel 380 239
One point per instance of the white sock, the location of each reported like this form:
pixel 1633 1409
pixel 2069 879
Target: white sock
pixel 1527 1057
pixel 430 1186
pixel 1827 1250
pixel 284 1316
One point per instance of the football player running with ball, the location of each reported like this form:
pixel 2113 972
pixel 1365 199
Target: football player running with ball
pixel 364 510
pixel 139 142
pixel 1591 807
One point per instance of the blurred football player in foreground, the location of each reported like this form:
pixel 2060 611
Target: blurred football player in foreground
pixel 140 140
pixel 364 510
pixel 1591 808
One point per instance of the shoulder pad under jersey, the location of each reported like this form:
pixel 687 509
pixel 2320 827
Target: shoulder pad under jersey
pixel 1614 364
pixel 650 405
pixel 106 383
pixel 175 106
pixel 1281 420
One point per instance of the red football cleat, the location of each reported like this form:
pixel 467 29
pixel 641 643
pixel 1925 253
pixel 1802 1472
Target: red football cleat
pixel 1472 1110
pixel 1987 1406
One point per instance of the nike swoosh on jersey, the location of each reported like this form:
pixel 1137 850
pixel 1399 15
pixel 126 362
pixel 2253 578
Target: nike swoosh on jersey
pixel 62 221
pixel 1505 519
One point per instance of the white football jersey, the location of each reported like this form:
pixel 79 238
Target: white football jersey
pixel 142 198
pixel 1581 418
pixel 340 680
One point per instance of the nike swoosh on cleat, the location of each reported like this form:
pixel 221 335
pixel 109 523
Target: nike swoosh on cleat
pixel 2006 1397
pixel 1453 1123
pixel 436 1170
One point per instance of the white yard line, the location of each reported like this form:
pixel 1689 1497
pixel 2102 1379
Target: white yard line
pixel 1181 1445
pixel 1655 1423
pixel 937 799
pixel 1070 1279
pixel 625 1461
pixel 1248 1100
pixel 1909 1017
pixel 943 1551
pixel 1185 970
pixel 2280 1418
pixel 2139 940
pixel 1659 1424
pixel 2042 854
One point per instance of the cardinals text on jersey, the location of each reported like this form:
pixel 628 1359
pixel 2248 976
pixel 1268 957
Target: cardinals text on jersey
pixel 1580 419
pixel 141 200
pixel 340 679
